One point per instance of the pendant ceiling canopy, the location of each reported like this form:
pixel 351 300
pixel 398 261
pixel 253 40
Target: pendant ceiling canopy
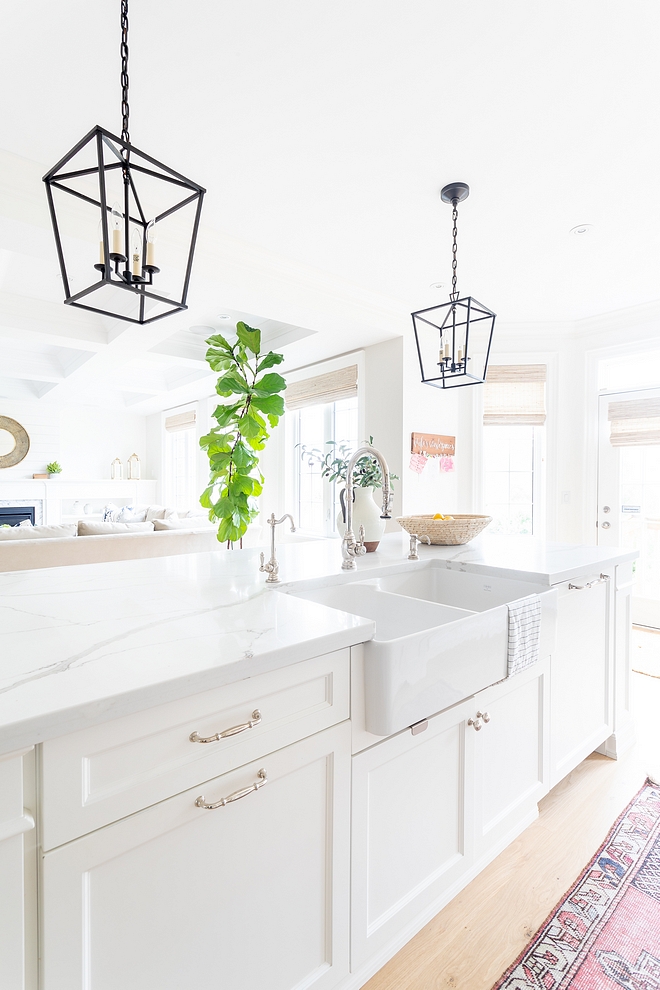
pixel 118 211
pixel 454 339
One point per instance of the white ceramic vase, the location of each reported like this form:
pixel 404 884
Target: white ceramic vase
pixel 365 513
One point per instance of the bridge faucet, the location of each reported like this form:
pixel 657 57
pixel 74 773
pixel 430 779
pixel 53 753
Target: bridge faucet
pixel 350 547
pixel 272 568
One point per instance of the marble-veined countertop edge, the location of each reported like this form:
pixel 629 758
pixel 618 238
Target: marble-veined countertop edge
pixel 92 642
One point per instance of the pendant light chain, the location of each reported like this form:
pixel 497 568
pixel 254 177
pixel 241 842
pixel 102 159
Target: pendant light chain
pixel 123 48
pixel 454 263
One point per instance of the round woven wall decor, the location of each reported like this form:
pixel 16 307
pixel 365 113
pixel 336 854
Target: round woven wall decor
pixel 21 442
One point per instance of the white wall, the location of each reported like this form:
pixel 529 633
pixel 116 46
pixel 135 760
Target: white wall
pixel 431 410
pixel 383 401
pixel 84 439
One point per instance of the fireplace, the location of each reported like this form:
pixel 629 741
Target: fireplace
pixel 12 515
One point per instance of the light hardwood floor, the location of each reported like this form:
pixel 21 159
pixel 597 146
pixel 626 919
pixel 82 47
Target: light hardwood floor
pixel 479 934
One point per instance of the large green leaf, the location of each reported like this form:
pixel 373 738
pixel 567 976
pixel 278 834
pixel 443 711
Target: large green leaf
pixel 269 384
pixel 258 442
pixel 224 414
pixel 251 428
pixel 269 361
pixel 219 361
pixel 271 404
pixel 218 342
pixel 232 383
pixel 244 460
pixel 257 417
pixel 249 337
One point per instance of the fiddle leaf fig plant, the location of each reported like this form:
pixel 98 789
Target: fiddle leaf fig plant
pixel 242 428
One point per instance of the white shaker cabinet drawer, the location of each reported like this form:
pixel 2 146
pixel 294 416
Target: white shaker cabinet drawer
pixel 99 775
pixel 251 895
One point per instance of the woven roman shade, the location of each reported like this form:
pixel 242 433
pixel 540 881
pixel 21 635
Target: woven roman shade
pixel 514 395
pixel 634 422
pixel 331 387
pixel 181 421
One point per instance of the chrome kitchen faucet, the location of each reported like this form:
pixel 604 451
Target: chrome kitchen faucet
pixel 272 568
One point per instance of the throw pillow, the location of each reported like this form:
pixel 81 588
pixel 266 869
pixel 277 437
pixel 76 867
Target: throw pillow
pixel 105 528
pixel 130 514
pixel 38 532
pixel 162 524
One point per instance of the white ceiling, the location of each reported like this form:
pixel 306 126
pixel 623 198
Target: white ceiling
pixel 323 133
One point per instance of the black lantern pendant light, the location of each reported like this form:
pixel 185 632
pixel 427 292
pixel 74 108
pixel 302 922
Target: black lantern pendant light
pixel 453 339
pixel 142 215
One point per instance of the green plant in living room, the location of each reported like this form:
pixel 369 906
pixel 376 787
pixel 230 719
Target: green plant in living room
pixel 54 468
pixel 242 428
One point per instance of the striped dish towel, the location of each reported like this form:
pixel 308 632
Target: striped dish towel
pixel 524 634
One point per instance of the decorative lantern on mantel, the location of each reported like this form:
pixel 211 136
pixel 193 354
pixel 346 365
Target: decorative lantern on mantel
pixel 453 339
pixel 133 466
pixel 145 216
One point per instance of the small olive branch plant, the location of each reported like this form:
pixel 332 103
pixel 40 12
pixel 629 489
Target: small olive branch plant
pixel 334 463
pixel 241 432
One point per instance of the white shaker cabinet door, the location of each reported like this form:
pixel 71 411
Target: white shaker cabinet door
pixel 251 894
pixel 512 765
pixel 581 674
pixel 412 828
pixel 17 948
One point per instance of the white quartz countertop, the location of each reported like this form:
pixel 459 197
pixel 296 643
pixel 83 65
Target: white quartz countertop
pixel 91 642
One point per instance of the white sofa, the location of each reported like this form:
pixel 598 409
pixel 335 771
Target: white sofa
pixel 20 555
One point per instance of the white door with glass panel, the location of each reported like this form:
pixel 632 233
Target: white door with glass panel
pixel 629 489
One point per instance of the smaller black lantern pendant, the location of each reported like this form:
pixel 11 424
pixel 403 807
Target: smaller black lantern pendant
pixel 136 196
pixel 453 339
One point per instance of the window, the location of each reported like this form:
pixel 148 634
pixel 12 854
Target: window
pixel 514 439
pixel 319 409
pixel 317 502
pixel 180 481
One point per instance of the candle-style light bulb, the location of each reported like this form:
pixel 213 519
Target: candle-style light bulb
pixel 101 254
pixel 136 251
pixel 117 218
pixel 151 242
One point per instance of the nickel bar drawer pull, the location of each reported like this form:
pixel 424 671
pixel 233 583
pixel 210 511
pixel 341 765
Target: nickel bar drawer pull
pixel 581 587
pixel 233 731
pixel 236 796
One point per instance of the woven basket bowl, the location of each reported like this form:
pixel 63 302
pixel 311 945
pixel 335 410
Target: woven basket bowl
pixel 450 532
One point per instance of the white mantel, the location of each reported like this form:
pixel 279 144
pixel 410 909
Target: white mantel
pixel 49 496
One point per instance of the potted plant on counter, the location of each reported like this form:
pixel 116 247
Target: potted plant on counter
pixel 367 477
pixel 54 468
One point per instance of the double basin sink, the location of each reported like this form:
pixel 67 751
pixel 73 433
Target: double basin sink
pixel 441 636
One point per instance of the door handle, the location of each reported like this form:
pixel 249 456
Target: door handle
pixel 581 587
pixel 605 525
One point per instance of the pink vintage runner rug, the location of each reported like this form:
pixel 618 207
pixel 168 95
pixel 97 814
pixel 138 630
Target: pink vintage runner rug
pixel 605 932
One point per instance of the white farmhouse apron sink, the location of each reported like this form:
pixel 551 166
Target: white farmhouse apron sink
pixel 441 636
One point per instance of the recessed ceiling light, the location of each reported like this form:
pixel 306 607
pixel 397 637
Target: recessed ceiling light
pixel 437 285
pixel 582 228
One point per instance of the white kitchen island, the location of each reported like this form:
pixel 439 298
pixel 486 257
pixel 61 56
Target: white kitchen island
pixel 339 844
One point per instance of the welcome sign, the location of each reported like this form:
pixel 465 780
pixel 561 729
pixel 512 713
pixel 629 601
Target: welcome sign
pixel 432 445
